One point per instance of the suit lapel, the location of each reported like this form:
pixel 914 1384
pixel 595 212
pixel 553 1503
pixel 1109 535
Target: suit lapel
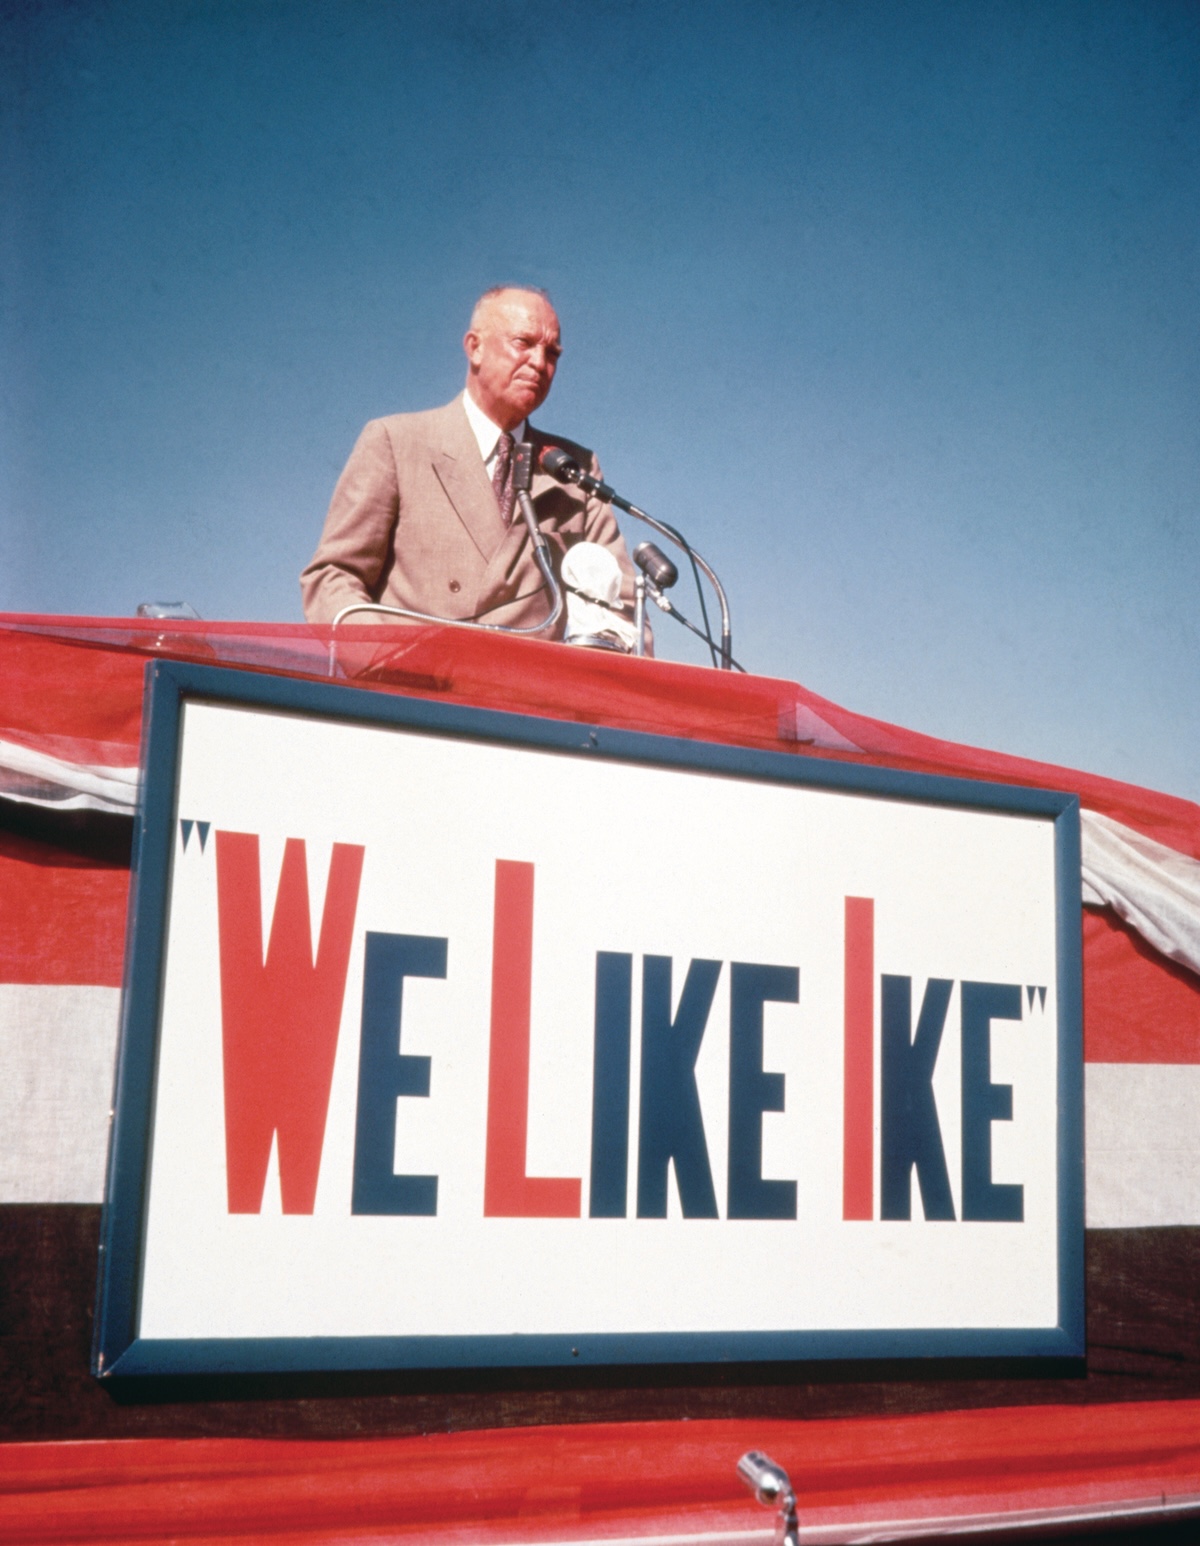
pixel 460 471
pixel 511 563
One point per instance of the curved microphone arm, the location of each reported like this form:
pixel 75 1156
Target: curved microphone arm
pixel 541 557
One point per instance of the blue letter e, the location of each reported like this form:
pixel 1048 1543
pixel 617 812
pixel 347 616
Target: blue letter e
pixel 384 1073
pixel 984 1102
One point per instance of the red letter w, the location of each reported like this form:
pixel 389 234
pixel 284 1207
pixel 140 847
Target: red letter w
pixel 280 1017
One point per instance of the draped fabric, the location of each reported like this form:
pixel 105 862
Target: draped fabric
pixel 71 699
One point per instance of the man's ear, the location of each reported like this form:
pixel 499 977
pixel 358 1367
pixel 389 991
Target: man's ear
pixel 472 346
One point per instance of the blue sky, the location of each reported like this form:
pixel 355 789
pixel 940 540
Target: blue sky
pixel 892 306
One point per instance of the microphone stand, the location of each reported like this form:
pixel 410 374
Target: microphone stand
pixel 639 612
pixel 573 473
pixel 522 478
pixel 522 483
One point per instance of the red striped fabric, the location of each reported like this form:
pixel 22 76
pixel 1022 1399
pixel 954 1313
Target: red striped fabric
pixel 616 1481
pixel 62 918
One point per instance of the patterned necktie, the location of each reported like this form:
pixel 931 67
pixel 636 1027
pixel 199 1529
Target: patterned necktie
pixel 502 479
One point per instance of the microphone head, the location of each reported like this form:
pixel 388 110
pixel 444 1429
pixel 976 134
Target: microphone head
pixel 655 565
pixel 766 1479
pixel 522 474
pixel 558 463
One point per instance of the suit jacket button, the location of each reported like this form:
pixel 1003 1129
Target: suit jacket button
pixel 455 586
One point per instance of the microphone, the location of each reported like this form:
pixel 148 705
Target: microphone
pixel 522 480
pixel 562 465
pixel 559 464
pixel 522 473
pixel 655 565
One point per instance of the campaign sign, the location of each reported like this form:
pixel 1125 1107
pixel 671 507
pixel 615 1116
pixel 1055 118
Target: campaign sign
pixel 454 1037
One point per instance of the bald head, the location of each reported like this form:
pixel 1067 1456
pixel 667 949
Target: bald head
pixel 498 294
pixel 512 348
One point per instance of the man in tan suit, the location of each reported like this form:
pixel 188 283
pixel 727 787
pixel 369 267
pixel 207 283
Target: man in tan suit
pixel 424 516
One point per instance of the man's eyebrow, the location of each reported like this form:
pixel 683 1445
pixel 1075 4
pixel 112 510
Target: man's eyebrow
pixel 532 338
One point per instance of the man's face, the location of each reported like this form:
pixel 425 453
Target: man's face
pixel 512 351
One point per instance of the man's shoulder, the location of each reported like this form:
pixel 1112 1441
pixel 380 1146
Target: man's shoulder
pixel 428 425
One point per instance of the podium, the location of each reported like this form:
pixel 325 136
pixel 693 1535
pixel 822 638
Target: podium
pixel 661 1060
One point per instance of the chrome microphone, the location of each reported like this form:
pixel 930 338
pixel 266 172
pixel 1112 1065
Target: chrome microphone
pixel 655 565
pixel 562 465
pixel 558 463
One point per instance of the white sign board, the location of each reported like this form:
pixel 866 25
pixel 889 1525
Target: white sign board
pixel 455 1038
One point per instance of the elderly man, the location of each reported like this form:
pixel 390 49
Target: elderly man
pixel 424 516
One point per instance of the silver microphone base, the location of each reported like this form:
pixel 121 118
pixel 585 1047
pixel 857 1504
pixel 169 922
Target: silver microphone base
pixel 596 641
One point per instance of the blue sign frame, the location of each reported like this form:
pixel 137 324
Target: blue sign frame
pixel 119 1350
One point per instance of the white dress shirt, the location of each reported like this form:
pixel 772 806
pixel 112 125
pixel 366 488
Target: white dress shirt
pixel 486 433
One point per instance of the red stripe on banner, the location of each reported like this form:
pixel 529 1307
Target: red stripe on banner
pixel 855 1479
pixel 508 1192
pixel 1138 1007
pixel 858 1120
pixel 280 1018
pixel 62 918
pixel 72 699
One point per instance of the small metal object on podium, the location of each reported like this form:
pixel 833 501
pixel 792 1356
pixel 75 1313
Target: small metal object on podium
pixel 771 1485
pixel 174 611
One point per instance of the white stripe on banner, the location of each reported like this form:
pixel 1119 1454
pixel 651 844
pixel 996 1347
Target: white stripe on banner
pixel 1143 1144
pixel 37 778
pixel 1155 889
pixel 57 1049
